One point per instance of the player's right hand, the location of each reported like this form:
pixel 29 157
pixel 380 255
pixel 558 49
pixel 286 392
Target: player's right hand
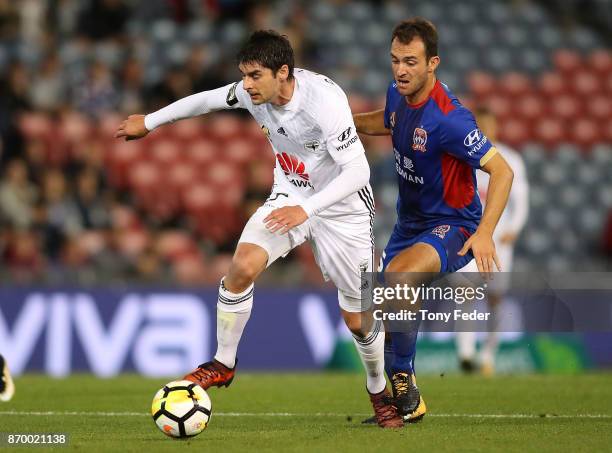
pixel 132 128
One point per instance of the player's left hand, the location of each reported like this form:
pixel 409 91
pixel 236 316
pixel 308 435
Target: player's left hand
pixel 483 249
pixel 285 218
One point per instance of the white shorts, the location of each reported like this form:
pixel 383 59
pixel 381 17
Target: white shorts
pixel 342 250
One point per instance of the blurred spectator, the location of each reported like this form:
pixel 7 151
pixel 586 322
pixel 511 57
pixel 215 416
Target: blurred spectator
pixel 96 93
pixel 175 85
pixel 132 89
pixel 13 101
pixel 9 20
pixel 48 90
pixel 90 202
pixel 22 257
pixel 62 211
pixel 104 19
pixel 17 195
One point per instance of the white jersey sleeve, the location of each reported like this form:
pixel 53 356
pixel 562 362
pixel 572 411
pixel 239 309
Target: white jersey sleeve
pixel 339 131
pixel 231 96
pixel 354 176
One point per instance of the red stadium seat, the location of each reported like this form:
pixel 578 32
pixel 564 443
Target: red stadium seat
pixel 199 198
pixel 108 125
pixel 567 61
pixel 585 132
pixel 239 151
pixel 35 125
pixel 600 61
pixel 181 175
pixel 481 84
pixel 187 130
pixel 552 84
pixel 607 83
pixel 514 132
pixel 600 107
pixel 202 152
pixel 164 152
pixel 174 243
pixel 530 107
pixel 75 127
pixel 514 84
pixel 120 158
pixel 550 131
pixel 565 106
pixel 500 105
pixel 585 83
pixel 224 174
pixel 226 126
pixel 606 131
pixel 144 174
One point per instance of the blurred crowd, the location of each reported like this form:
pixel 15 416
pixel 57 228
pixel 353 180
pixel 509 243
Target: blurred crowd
pixel 78 206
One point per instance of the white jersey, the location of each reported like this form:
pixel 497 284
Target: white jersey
pixel 311 136
pixel 514 217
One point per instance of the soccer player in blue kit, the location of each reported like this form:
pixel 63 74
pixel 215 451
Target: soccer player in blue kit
pixel 438 147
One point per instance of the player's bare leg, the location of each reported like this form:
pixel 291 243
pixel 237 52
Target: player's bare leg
pixel 420 258
pixel 233 311
pixel 369 339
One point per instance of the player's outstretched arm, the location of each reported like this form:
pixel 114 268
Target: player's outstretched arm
pixel 228 97
pixel 371 123
pixel 481 242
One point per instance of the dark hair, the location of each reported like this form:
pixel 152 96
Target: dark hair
pixel 409 29
pixel 268 48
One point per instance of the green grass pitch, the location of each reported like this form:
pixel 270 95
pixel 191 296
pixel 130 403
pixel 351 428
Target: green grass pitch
pixel 322 412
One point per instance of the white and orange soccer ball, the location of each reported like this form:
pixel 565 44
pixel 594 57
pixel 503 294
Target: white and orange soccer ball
pixel 181 409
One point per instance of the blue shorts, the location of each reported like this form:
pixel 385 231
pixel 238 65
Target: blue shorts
pixel 446 239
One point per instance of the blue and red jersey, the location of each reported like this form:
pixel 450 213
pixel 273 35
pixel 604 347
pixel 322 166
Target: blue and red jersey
pixel 438 148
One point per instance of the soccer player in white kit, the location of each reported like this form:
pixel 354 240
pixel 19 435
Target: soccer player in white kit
pixel 321 194
pixel 509 227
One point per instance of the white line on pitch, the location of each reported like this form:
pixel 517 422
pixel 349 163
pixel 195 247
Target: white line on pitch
pixel 296 414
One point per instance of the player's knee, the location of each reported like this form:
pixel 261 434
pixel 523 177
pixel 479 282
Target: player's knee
pixel 243 272
pixel 355 325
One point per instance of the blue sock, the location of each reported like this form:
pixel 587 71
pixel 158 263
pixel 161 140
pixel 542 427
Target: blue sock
pixel 404 348
pixel 389 356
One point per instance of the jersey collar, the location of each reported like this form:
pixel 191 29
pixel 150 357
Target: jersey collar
pixel 437 86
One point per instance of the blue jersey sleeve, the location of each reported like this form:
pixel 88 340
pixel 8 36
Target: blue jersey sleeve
pixel 461 137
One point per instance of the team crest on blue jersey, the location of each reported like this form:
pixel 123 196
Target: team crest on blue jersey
pixel 419 139
pixel 441 231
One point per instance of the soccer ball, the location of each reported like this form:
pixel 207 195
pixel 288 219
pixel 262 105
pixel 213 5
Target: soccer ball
pixel 181 409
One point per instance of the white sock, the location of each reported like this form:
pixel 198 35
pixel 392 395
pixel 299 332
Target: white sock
pixel 466 345
pixel 233 312
pixel 491 342
pixel 371 349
